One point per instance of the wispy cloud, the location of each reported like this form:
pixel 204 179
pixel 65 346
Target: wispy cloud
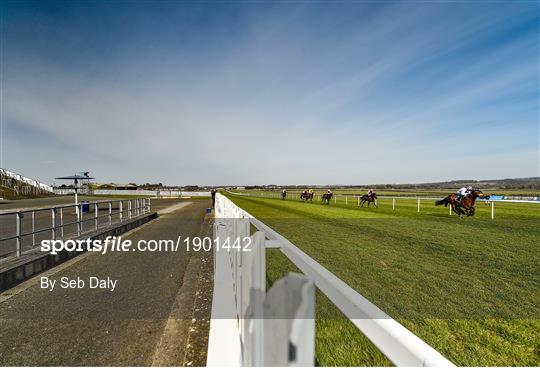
pixel 346 93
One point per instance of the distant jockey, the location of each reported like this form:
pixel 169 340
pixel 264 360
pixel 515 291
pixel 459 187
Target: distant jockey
pixel 463 192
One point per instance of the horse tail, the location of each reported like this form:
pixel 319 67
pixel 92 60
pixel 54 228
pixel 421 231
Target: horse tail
pixel 444 201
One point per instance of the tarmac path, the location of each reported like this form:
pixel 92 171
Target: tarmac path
pixel 146 320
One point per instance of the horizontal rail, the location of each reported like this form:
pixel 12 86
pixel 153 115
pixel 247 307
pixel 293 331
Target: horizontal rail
pixel 56 223
pixel 37 209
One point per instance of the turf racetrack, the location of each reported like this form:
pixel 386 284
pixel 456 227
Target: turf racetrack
pixel 469 287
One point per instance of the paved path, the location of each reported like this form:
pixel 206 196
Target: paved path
pixel 146 319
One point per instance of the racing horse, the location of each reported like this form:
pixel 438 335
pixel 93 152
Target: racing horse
pixel 326 197
pixel 369 199
pixel 466 205
pixel 306 196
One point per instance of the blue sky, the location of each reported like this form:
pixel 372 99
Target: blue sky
pixel 271 92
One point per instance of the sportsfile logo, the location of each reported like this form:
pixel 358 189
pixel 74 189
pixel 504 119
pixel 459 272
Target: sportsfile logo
pixel 117 244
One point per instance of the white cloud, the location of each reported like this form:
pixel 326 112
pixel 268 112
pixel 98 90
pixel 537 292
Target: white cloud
pixel 286 104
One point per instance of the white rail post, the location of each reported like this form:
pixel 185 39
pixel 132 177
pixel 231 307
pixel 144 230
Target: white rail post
pixel 129 208
pixel 346 201
pixel 96 210
pixel 450 210
pixel 33 228
pixel 335 199
pixel 81 220
pixel 19 217
pixel 53 223
pixel 492 210
pixel 78 213
pixel 393 203
pixel 418 204
pixel 77 216
pixel 121 210
pixel 253 290
pixel 289 324
pixel 62 222
pixel 110 213
pixel 358 200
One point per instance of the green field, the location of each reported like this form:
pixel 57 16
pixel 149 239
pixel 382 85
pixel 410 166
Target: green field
pixel 470 287
pixel 400 192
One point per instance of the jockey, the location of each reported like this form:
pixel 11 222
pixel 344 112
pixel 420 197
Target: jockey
pixel 310 191
pixel 370 193
pixel 463 192
pixel 328 191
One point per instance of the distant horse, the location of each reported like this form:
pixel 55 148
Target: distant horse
pixel 306 196
pixel 369 199
pixel 326 197
pixel 465 206
pixel 283 195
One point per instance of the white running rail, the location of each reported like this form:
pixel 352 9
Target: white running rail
pixel 396 342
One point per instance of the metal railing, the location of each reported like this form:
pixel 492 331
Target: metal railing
pixel 22 230
pixel 396 342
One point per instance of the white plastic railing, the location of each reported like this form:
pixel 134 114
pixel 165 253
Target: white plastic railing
pixel 396 342
pixel 250 326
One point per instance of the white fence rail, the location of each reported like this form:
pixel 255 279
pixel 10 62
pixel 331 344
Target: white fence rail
pixel 232 344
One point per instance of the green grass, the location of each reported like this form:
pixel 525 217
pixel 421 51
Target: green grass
pixel 404 192
pixel 469 287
